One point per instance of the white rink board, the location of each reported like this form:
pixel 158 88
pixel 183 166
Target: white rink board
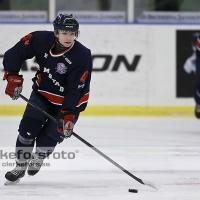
pixel 153 83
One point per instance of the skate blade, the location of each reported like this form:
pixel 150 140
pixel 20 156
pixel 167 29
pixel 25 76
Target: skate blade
pixel 7 182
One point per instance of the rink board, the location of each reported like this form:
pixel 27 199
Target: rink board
pixel 134 69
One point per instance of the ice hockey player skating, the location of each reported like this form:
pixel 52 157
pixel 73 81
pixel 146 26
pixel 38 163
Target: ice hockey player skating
pixel 60 88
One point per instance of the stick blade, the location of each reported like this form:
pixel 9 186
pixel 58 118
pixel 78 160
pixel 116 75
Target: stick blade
pixel 150 184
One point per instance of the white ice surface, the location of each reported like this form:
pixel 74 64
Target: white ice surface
pixel 165 151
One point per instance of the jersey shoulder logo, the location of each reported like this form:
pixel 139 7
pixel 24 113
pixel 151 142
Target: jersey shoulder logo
pixel 26 39
pixel 61 68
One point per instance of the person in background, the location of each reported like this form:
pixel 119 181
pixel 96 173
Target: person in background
pixel 197 80
pixel 166 5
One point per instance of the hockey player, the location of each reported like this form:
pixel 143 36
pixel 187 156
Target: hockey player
pixel 60 88
pixel 197 80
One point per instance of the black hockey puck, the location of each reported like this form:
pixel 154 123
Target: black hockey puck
pixel 133 190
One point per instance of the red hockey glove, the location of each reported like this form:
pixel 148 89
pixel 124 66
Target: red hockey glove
pixel 68 123
pixel 14 85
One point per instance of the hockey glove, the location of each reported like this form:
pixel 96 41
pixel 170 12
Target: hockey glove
pixel 14 85
pixel 67 119
pixel 197 111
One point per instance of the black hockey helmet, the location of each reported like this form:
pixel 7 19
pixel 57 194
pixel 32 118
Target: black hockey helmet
pixel 66 23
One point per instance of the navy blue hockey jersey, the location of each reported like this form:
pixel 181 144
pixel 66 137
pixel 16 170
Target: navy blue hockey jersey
pixel 63 78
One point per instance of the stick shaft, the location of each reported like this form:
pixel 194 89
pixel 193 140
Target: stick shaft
pixel 107 158
pixel 84 141
pixel 38 108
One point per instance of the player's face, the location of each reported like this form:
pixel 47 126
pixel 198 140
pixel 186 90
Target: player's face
pixel 66 38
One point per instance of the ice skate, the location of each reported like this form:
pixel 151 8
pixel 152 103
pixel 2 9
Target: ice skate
pixel 14 176
pixel 34 165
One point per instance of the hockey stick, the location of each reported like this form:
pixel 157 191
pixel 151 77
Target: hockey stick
pixel 91 146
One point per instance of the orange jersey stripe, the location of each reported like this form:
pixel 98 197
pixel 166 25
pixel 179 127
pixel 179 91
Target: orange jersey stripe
pixel 55 99
pixel 83 99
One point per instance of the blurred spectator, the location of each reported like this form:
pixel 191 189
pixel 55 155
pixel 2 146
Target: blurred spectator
pixel 77 5
pixel 189 5
pixel 104 4
pixel 29 4
pixel 4 4
pixel 166 5
pixel 91 5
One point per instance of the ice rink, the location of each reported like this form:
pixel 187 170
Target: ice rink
pixel 165 151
